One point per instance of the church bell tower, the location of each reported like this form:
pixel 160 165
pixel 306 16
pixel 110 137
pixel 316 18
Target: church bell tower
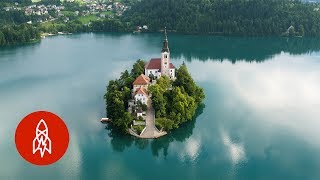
pixel 165 56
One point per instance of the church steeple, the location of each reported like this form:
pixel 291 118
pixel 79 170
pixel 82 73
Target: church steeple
pixel 165 47
pixel 165 57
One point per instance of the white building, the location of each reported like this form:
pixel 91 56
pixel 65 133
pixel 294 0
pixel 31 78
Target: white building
pixel 141 95
pixel 158 67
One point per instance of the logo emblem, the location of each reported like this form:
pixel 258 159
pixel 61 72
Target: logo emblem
pixel 42 138
pixel 42 142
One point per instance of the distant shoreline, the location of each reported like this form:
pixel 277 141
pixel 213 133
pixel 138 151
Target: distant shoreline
pixel 45 35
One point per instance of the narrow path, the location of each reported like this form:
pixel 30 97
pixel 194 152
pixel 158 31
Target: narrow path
pixel 151 130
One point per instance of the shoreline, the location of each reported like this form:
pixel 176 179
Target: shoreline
pixel 45 35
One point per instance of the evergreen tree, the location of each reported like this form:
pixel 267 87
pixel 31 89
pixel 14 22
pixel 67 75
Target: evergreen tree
pixel 2 39
pixel 138 68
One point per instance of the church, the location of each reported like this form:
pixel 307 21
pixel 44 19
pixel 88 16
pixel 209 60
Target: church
pixel 158 67
pixel 155 68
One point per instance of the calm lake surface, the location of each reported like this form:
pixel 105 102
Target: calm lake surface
pixel 260 119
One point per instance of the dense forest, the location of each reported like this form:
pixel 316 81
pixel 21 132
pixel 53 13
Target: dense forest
pixel 175 102
pixel 13 34
pixel 13 17
pixel 229 17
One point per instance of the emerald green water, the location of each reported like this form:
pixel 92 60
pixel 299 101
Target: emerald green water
pixel 260 118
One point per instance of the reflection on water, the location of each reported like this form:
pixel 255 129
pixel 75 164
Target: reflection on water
pixel 7 53
pixel 236 150
pixel 235 49
pixel 179 135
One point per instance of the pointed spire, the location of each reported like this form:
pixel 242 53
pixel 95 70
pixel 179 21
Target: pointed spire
pixel 165 47
pixel 165 33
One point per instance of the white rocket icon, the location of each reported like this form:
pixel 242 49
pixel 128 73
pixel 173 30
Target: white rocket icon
pixel 41 142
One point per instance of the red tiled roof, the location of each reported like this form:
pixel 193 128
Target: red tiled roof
pixel 141 80
pixel 141 91
pixel 155 63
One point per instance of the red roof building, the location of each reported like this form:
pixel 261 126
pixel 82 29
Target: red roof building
pixel 155 63
pixel 141 80
pixel 141 95
pixel 141 91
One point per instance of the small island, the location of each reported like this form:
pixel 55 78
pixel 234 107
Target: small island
pixel 153 98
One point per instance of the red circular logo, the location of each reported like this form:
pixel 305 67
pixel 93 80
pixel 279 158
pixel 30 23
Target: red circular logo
pixel 42 138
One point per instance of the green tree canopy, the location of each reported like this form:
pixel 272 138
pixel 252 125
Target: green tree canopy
pixel 158 100
pixel 138 68
pixel 185 80
pixel 175 102
pixel 226 17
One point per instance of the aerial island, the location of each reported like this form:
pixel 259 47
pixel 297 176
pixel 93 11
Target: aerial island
pixel 154 98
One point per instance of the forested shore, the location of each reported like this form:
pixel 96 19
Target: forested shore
pixel 215 17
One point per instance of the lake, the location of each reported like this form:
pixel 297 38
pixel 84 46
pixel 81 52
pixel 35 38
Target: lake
pixel 260 118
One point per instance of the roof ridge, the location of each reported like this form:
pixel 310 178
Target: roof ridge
pixel 146 78
pixel 138 80
pixel 142 90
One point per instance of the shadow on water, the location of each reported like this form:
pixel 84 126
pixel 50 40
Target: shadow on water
pixel 220 48
pixel 120 142
pixel 239 48
pixel 181 134
pixel 20 48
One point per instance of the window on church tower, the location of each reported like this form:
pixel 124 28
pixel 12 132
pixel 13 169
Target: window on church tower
pixel 165 56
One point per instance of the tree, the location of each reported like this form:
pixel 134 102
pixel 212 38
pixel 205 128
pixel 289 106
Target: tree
pixel 2 39
pixel 126 79
pixel 138 68
pixel 199 95
pixel 123 122
pixel 158 100
pixel 301 30
pixel 182 104
pixel 126 92
pixel 164 123
pixel 184 79
pixel 116 103
pixel 164 83
pixel 141 105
